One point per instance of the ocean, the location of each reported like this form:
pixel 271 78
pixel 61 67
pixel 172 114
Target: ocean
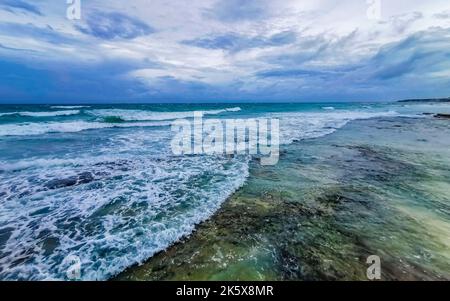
pixel 101 183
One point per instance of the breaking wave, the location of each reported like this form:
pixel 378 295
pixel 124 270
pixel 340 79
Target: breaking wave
pixel 141 115
pixel 42 114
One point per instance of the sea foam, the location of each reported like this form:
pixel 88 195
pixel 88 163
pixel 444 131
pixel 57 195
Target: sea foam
pixel 132 208
pixel 43 114
pixel 300 125
pixel 35 128
pixel 142 115
pixel 69 107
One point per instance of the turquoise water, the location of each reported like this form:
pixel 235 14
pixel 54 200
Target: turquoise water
pixel 101 182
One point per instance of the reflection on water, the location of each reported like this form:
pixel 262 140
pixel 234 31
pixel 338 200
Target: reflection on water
pixel 376 187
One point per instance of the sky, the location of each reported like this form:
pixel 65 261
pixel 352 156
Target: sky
pixel 223 50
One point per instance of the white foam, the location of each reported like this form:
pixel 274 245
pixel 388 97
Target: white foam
pixel 69 107
pixel 236 109
pixel 24 129
pixel 147 118
pixel 116 224
pixel 35 128
pixel 301 125
pixel 140 115
pixel 43 114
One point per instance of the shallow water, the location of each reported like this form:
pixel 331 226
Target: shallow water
pixel 101 183
pixel 375 187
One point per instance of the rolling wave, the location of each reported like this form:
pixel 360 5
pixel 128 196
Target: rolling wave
pixel 69 107
pixel 294 126
pixel 139 115
pixel 300 126
pixel 32 129
pixel 42 114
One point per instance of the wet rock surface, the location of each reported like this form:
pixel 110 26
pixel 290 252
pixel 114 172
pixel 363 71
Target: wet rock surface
pixel 442 116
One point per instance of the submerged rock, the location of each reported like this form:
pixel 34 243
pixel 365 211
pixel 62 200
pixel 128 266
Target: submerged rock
pixel 442 116
pixel 83 178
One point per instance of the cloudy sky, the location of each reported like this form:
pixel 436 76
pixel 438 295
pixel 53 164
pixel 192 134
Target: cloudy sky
pixel 224 50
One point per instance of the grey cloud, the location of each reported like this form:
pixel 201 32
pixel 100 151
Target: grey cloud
pixel 237 42
pixel 20 5
pixel 238 10
pixel 443 15
pixel 114 25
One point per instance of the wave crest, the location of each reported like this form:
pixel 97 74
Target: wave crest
pixel 139 115
pixel 42 114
